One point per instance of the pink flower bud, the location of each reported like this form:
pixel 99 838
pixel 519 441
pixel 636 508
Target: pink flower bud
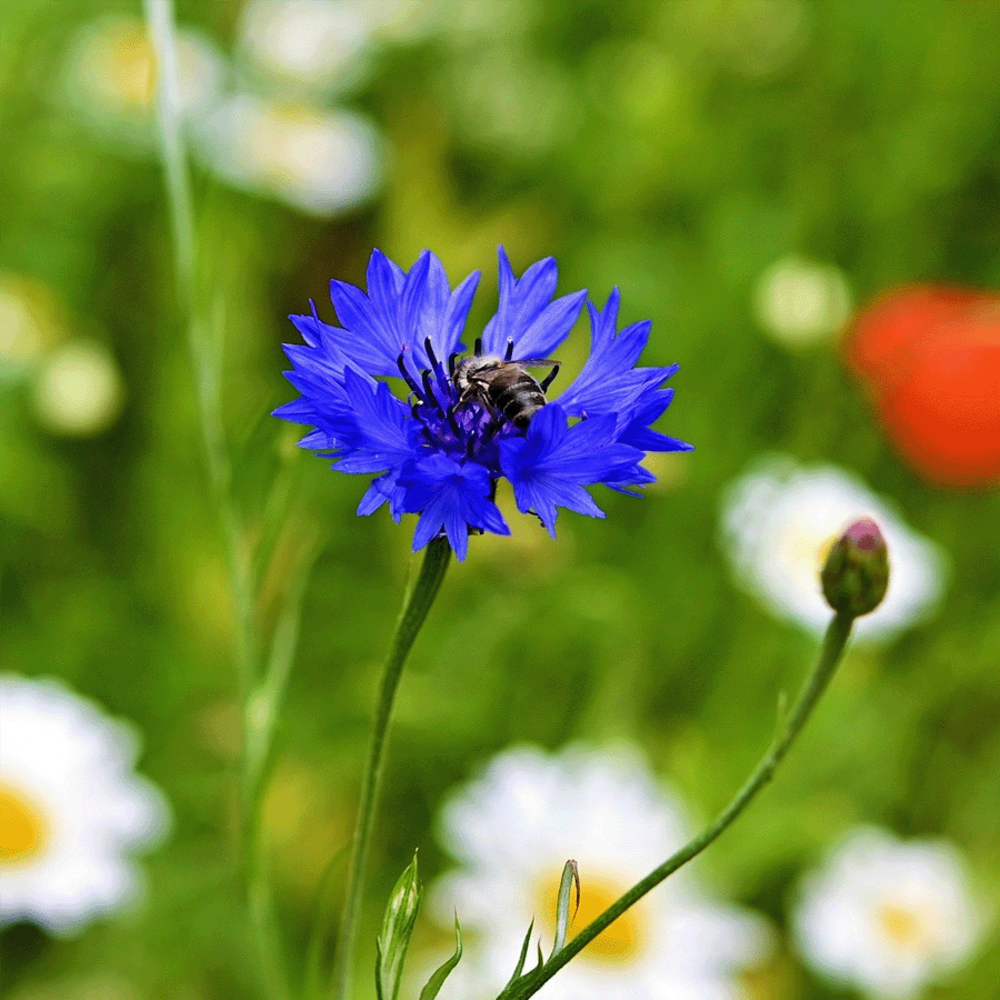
pixel 856 573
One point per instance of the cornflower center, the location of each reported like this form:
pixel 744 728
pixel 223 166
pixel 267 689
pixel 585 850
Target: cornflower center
pixel 23 826
pixel 618 943
pixel 464 428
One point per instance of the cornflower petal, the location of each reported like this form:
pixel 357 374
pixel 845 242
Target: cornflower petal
pixel 637 432
pixel 526 315
pixel 636 476
pixel 372 435
pixel 450 497
pixel 316 333
pixel 443 313
pixel 400 313
pixel 384 488
pixel 608 382
pixel 549 467
pixel 439 442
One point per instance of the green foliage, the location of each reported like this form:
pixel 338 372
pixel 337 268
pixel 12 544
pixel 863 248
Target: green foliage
pixel 516 975
pixel 570 878
pixel 676 149
pixel 397 929
pixel 441 973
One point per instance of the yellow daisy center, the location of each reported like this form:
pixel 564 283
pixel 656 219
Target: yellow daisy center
pixel 23 828
pixel 902 926
pixel 620 942
pixel 806 550
pixel 133 69
pixel 824 549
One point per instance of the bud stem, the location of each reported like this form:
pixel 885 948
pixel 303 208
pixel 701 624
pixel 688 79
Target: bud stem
pixel 815 684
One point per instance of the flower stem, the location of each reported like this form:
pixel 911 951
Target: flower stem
pixel 261 697
pixel 830 656
pixel 415 607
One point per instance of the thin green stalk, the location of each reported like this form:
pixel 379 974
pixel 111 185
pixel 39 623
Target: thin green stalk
pixel 204 340
pixel 415 607
pixel 205 349
pixel 815 684
pixel 160 18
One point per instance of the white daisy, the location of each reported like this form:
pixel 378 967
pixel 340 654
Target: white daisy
pixel 109 78
pixel 315 43
pixel 321 162
pixel 778 521
pixel 71 807
pixel 886 916
pixel 513 829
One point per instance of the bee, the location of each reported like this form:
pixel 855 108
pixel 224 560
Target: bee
pixel 503 386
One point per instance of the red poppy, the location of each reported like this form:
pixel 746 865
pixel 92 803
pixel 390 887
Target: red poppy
pixel 930 359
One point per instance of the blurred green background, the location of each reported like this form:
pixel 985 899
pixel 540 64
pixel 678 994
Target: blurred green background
pixel 676 149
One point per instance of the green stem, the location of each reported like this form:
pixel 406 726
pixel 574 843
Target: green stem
pixel 260 702
pixel 160 18
pixel 830 656
pixel 205 355
pixel 415 607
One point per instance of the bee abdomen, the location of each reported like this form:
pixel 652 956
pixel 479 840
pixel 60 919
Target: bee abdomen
pixel 520 400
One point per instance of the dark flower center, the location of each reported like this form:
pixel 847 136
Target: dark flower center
pixel 465 429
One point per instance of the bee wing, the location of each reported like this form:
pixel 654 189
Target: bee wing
pixel 537 363
pixel 488 376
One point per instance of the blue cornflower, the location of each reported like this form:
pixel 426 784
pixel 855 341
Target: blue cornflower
pixel 440 452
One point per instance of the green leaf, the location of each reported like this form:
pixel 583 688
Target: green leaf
pixel 570 877
pixel 430 991
pixel 397 926
pixel 524 954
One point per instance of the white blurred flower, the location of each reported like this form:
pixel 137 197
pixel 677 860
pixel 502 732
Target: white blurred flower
pixel 109 77
pixel 78 389
pixel 317 43
pixel 512 831
pixel 326 44
pixel 778 522
pixel 800 302
pixel 71 807
pixel 887 916
pixel 319 162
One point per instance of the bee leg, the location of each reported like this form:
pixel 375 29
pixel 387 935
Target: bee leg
pixel 550 378
pixel 491 428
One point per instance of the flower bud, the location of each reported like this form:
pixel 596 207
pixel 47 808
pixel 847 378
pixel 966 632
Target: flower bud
pixel 856 573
